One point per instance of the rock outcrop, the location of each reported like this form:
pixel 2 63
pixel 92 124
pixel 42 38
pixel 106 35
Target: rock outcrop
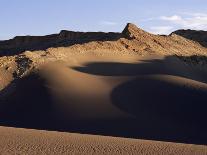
pixel 131 31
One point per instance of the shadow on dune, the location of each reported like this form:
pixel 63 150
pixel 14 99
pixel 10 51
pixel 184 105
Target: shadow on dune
pixel 170 65
pixel 162 109
pixel 28 106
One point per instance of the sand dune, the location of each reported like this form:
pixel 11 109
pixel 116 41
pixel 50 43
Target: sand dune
pixel 24 141
pixel 139 86
pixel 150 98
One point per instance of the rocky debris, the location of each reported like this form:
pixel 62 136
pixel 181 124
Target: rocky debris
pixel 197 36
pixel 8 68
pixel 6 62
pixel 23 66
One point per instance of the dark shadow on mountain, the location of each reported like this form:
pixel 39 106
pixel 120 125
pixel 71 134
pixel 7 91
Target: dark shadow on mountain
pixel 64 39
pixel 162 110
pixel 197 36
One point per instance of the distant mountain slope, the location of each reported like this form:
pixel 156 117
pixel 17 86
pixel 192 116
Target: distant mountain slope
pixel 198 36
pixel 64 38
pixel 132 39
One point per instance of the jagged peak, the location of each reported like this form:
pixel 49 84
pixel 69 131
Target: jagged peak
pixel 131 31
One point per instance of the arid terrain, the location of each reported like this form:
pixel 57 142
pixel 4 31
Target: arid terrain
pixel 28 141
pixel 132 84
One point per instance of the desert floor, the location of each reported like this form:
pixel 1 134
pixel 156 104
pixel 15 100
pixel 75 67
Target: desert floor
pixel 29 141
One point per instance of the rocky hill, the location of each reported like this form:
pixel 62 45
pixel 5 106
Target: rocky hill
pixel 64 38
pixel 132 39
pixel 197 36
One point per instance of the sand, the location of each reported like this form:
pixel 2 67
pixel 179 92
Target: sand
pixel 140 87
pixel 28 141
pixel 149 97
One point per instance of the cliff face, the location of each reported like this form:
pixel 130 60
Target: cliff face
pixel 197 36
pixel 64 38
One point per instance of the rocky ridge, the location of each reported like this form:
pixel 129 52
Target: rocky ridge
pixel 197 36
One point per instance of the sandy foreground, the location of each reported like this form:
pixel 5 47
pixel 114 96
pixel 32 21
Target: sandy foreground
pixel 29 141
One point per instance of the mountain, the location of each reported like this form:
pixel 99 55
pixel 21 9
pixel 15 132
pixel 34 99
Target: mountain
pixel 132 39
pixel 130 84
pixel 197 36
pixel 64 38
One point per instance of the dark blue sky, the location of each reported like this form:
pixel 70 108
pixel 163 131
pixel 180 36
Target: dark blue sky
pixel 40 17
